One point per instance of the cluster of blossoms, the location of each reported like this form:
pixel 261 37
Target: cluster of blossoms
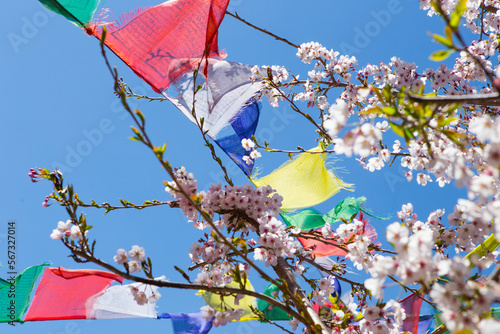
pixel 134 258
pixel 463 301
pixel 220 318
pixel 420 260
pixel 276 75
pixel 141 297
pixel 355 238
pixel 249 145
pixel 33 174
pixel 385 320
pixel 67 230
pixel 326 287
pixel 241 209
pixel 488 22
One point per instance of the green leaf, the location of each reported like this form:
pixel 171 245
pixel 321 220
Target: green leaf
pixel 440 55
pixel 437 7
pixel 387 93
pixel 398 129
pixel 141 116
pixel 457 13
pixel 389 111
pixel 446 121
pixel 443 40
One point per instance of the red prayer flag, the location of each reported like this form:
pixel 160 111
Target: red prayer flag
pixel 411 305
pixel 323 249
pixel 62 293
pixel 152 42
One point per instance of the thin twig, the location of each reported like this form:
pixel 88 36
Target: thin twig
pixel 236 16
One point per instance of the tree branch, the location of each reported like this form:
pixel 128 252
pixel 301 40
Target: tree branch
pixel 478 99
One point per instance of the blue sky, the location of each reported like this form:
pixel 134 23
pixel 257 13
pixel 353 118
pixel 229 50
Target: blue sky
pixel 56 92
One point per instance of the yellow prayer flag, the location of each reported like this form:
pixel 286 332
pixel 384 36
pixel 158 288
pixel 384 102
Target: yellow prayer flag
pixel 244 304
pixel 488 246
pixel 304 181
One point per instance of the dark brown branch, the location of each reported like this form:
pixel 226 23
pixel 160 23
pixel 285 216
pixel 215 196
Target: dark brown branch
pixel 478 99
pixel 317 266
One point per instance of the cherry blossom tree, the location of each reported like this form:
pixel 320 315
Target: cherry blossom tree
pixel 449 132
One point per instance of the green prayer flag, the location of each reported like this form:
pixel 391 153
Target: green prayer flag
pixel 495 312
pixel 310 219
pixel 15 293
pixel 271 312
pixel 80 12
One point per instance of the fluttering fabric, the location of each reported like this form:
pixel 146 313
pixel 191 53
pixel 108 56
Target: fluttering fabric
pixel 15 297
pixel 411 304
pixel 63 293
pixel 79 12
pixel 304 181
pixel 488 246
pixel 324 247
pixel 224 98
pixel 188 323
pixel 153 42
pixel 271 312
pixel 175 44
pixel 242 126
pixel 246 303
pixel 118 302
pixel 311 219
pixel 424 323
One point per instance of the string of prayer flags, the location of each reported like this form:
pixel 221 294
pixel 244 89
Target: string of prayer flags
pixel 63 293
pixel 15 293
pixel 271 312
pixel 176 44
pixel 163 42
pixel 246 303
pixel 118 302
pixel 311 219
pixel 304 181
pixel 188 323
pixel 221 98
pixel 79 12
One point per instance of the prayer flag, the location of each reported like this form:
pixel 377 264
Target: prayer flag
pixel 15 293
pixel 242 126
pixel 246 303
pixel 311 219
pixel 63 293
pixel 320 248
pixel 222 98
pixel 271 312
pixel 488 246
pixel 188 323
pixel 424 323
pixel 152 42
pixel 118 302
pixel 80 12
pixel 411 305
pixel 304 181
